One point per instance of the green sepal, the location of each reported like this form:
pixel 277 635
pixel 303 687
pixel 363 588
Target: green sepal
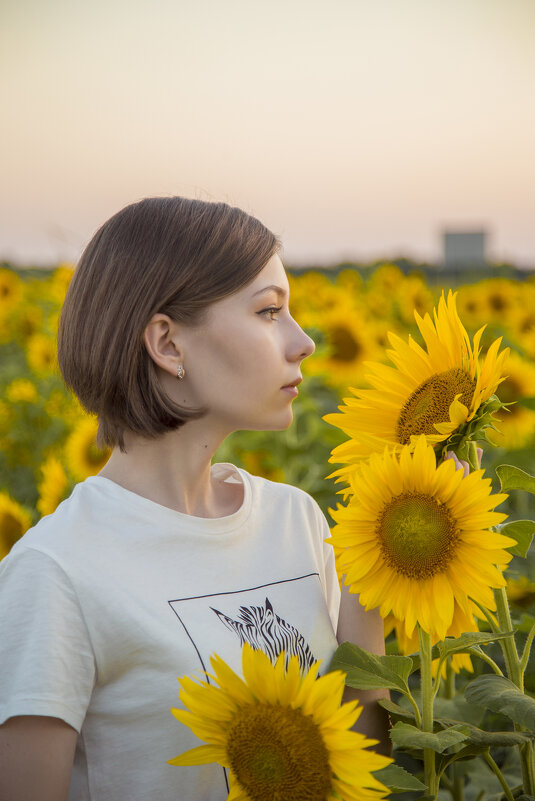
pixel 366 671
pixel 475 429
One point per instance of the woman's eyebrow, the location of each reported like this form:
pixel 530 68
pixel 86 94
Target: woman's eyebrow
pixel 272 287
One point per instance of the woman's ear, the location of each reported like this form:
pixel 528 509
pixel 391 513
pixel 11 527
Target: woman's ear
pixel 161 338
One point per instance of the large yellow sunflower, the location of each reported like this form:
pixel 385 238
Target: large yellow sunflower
pixel 414 539
pixel 14 521
pixel 282 735
pixel 431 392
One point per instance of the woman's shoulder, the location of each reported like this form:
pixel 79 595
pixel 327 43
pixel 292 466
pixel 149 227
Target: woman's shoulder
pixel 278 492
pixel 57 530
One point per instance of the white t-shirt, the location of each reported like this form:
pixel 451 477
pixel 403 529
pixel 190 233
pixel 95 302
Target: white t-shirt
pixel 104 603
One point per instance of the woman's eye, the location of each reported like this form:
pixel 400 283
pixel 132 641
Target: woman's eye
pixel 273 310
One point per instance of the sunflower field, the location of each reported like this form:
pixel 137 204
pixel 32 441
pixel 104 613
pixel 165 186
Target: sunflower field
pixel 363 320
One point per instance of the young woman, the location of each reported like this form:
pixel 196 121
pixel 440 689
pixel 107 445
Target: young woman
pixel 176 332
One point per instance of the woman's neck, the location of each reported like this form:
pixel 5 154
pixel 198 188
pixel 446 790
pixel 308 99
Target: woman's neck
pixel 174 471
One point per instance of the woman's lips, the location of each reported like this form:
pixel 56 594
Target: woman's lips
pixel 291 389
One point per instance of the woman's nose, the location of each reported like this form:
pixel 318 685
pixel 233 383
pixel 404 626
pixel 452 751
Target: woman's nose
pixel 303 345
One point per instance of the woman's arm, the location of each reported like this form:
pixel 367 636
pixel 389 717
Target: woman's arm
pixel 36 758
pixel 366 630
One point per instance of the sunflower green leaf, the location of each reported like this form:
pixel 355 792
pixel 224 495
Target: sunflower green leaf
pixel 366 671
pixel 522 531
pixel 513 478
pixel 404 735
pixel 500 695
pixel 397 779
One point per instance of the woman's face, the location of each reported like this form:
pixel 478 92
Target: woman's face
pixel 240 361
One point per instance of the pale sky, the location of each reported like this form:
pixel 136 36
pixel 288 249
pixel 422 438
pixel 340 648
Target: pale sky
pixel 352 128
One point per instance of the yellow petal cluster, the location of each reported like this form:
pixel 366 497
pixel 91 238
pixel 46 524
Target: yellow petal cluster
pixel 430 392
pixel 281 734
pixel 415 539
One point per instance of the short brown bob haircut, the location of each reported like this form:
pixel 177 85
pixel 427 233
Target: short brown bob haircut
pixel 172 255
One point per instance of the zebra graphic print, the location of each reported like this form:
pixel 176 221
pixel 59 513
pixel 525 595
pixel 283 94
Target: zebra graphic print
pixel 266 631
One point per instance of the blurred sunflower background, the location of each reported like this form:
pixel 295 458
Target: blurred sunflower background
pixel 47 441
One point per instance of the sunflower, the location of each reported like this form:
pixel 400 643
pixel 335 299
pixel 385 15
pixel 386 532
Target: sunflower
pixel 471 306
pixel 21 390
pixel 414 539
pixel 516 423
pixel 52 487
pixel 10 288
pixel 500 296
pixel 431 392
pixel 41 353
pixel 350 338
pixel 350 281
pixel 6 419
pixel 521 592
pixel 413 294
pixel 382 288
pixel 282 735
pixel 261 463
pixel 386 279
pixel 409 645
pixel 24 322
pixel 14 521
pixel 82 455
pixel 59 283
pixel 311 292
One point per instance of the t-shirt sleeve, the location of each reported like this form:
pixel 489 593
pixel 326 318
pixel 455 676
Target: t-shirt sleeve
pixel 47 666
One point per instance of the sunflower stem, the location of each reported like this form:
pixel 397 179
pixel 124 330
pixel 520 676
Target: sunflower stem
pixel 510 653
pixel 449 685
pixel 424 642
pixel 516 675
pixel 456 782
pixel 493 627
pixel 499 775
pixel 473 459
pixel 527 650
pixel 417 716
pixel 477 651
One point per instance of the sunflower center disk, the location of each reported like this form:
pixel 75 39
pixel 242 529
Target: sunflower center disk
pixel 276 752
pixel 430 403
pixel 418 536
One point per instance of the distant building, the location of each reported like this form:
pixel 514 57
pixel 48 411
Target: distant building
pixel 464 249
